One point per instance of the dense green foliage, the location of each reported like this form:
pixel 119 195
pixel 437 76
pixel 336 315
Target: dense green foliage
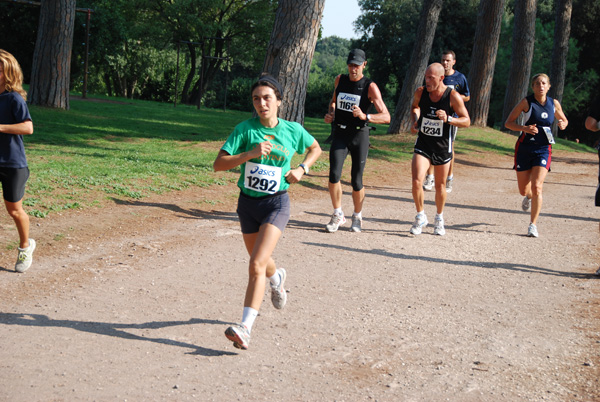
pixel 133 49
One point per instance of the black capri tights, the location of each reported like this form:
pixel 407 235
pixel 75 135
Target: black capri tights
pixel 357 145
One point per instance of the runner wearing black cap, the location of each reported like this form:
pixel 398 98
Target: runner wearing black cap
pixel 349 112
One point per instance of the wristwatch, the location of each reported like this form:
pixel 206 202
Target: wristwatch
pixel 303 166
pixel 368 118
pixel 449 119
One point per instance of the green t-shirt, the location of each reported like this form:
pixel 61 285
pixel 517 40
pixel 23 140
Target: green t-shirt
pixel 263 176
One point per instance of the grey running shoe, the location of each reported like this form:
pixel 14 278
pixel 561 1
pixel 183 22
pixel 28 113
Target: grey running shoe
pixel 239 335
pixel 420 223
pixel 449 182
pixel 356 224
pixel 526 204
pixel 278 294
pixel 25 257
pixel 532 231
pixel 428 183
pixel 335 222
pixel 438 228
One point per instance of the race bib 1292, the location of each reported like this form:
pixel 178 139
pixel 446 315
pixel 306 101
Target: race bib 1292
pixel 262 178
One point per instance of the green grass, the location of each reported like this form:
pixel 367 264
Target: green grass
pixel 123 148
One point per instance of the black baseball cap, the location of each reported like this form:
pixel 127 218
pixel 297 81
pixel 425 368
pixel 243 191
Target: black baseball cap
pixel 356 56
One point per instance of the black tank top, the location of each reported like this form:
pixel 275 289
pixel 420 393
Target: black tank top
pixel 429 124
pixel 348 94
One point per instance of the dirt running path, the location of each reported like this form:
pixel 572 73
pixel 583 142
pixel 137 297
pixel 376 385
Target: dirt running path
pixel 129 302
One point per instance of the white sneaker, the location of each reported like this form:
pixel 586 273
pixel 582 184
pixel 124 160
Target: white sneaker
pixel 239 335
pixel 356 224
pixel 428 183
pixel 449 182
pixel 532 231
pixel 335 222
pixel 438 228
pixel 278 294
pixel 526 204
pixel 420 223
pixel 25 257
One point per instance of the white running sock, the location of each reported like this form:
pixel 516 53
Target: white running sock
pixel 248 318
pixel 451 177
pixel 338 211
pixel 429 176
pixel 275 279
pixel 421 213
pixel 439 216
pixel 358 214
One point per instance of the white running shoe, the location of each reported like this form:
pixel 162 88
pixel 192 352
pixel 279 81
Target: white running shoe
pixel 356 224
pixel 449 182
pixel 239 335
pixel 25 257
pixel 420 223
pixel 532 231
pixel 429 182
pixel 438 228
pixel 335 222
pixel 526 204
pixel 278 294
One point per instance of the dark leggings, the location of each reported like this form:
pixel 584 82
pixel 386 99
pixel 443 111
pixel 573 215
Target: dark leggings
pixel 357 144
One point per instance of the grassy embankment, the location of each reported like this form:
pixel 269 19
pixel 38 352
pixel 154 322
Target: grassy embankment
pixel 131 149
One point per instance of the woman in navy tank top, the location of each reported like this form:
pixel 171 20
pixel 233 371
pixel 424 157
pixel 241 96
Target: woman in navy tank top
pixel 533 151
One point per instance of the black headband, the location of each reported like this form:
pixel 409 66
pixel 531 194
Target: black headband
pixel 271 80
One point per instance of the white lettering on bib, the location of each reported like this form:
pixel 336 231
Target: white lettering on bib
pixel 549 135
pixel 346 101
pixel 262 178
pixel 432 127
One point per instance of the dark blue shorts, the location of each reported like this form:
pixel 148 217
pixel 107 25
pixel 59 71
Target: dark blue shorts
pixel 13 183
pixel 527 156
pixel 255 212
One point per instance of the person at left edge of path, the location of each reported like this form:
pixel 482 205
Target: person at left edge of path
pixel 348 111
pixel 15 121
pixel 592 123
pixel 263 147
pixel 432 112
pixel 533 150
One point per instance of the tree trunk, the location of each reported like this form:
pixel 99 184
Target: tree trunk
pixel 562 32
pixel 483 59
pixel 521 56
pixel 430 13
pixel 291 50
pixel 185 95
pixel 51 69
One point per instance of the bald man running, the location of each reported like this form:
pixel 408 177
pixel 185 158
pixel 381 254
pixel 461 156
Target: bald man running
pixel 432 112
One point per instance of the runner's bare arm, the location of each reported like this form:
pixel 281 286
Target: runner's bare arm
pixel 559 115
pixel 511 120
pixel 458 105
pixel 225 161
pixel 294 175
pixel 331 110
pixel 383 115
pixel 23 128
pixel 415 111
